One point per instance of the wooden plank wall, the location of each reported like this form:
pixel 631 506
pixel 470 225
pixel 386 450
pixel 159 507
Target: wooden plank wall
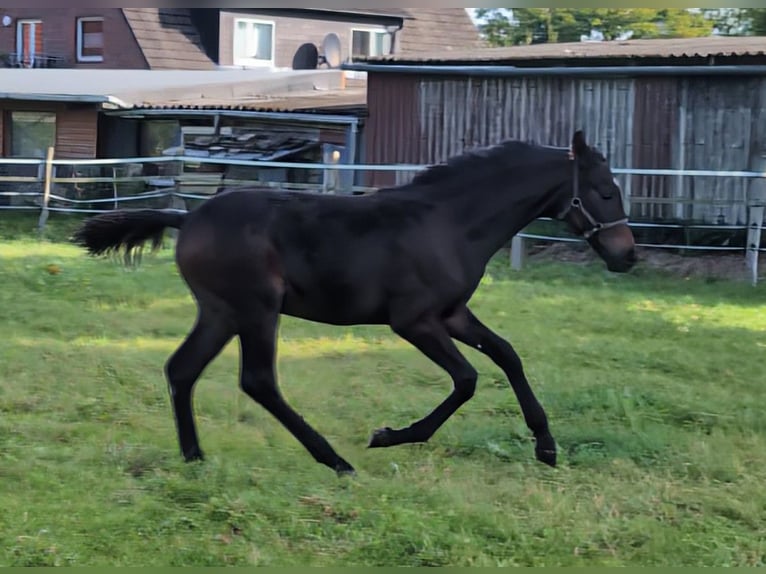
pixel 76 133
pixel 710 123
pixel 76 127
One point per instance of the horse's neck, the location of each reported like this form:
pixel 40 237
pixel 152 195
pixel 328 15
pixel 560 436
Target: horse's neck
pixel 492 212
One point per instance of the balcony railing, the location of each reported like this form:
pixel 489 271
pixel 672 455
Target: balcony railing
pixel 17 60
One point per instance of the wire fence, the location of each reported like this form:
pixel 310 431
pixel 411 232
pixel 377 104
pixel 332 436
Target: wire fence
pixel 97 185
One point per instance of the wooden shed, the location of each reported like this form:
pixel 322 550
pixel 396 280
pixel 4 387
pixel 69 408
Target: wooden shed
pixel 682 104
pixel 244 115
pixel 73 110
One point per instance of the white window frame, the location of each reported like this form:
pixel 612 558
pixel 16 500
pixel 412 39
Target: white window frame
pixel 33 40
pixel 253 62
pixel 80 57
pixel 372 32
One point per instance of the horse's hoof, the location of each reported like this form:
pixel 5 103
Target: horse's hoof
pixel 545 450
pixel 381 438
pixel 546 456
pixel 346 470
pixel 194 456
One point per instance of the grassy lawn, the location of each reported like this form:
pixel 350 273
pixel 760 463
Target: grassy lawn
pixel 654 387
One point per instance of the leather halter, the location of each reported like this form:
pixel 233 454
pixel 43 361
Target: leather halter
pixel 577 204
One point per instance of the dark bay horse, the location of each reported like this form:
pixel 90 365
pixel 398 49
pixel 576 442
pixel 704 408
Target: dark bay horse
pixel 409 257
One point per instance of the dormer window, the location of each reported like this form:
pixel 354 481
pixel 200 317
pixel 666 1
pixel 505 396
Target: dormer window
pixel 253 42
pixel 370 43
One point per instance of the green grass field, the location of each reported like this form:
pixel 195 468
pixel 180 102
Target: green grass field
pixel 654 387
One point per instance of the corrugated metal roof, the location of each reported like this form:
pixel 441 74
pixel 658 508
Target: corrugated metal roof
pixel 706 47
pixel 352 100
pixel 257 90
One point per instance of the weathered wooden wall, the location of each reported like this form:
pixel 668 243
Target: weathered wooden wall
pixel 646 123
pixel 76 127
pixel 77 132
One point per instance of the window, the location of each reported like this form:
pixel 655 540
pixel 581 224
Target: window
pixel 29 42
pixel 155 136
pixel 32 133
pixel 90 39
pixel 366 43
pixel 253 42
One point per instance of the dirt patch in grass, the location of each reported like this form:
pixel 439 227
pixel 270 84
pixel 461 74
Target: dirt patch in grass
pixel 708 265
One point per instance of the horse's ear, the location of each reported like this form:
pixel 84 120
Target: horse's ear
pixel 579 145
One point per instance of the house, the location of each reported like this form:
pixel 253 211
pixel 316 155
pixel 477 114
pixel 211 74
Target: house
pixel 696 103
pixel 127 82
pixel 100 38
pixel 287 115
pixel 93 112
pixel 271 37
pixel 204 38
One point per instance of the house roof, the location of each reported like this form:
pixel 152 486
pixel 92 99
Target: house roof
pixel 706 47
pixel 441 31
pixel 387 12
pixel 167 38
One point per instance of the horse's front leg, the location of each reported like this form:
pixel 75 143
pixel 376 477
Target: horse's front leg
pixel 466 328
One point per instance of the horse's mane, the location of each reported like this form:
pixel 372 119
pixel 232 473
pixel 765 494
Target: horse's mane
pixel 502 156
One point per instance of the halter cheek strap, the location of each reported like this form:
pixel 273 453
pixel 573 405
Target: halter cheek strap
pixel 577 204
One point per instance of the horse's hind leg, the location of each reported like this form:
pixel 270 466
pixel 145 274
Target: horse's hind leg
pixel 432 339
pixel 258 379
pixel 209 335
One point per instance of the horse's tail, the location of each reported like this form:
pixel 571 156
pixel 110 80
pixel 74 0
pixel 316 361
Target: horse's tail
pixel 128 229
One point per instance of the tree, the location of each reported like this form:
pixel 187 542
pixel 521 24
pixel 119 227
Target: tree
pixel 530 25
pixel 738 21
pixel 675 23
pixel 757 17
pixel 727 21
pixel 504 27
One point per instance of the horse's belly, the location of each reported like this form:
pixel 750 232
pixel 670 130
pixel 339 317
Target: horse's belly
pixel 335 308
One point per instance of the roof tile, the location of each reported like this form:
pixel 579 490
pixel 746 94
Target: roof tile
pixel 167 38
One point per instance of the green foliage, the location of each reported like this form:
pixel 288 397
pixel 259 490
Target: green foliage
pixel 536 25
pixel 653 386
pixel 738 21
pixel 757 18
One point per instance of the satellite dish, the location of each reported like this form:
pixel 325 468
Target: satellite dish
pixel 331 52
pixel 306 57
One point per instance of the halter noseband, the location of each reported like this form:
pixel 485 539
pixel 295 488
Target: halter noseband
pixel 577 203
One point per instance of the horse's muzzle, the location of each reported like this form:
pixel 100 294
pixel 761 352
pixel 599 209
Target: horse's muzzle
pixel 622 264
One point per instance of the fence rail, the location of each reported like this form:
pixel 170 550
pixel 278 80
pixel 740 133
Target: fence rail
pixel 38 185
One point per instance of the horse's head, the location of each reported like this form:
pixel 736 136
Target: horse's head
pixel 595 207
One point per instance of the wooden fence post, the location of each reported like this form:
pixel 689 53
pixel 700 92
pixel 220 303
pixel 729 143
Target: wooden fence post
pixel 46 189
